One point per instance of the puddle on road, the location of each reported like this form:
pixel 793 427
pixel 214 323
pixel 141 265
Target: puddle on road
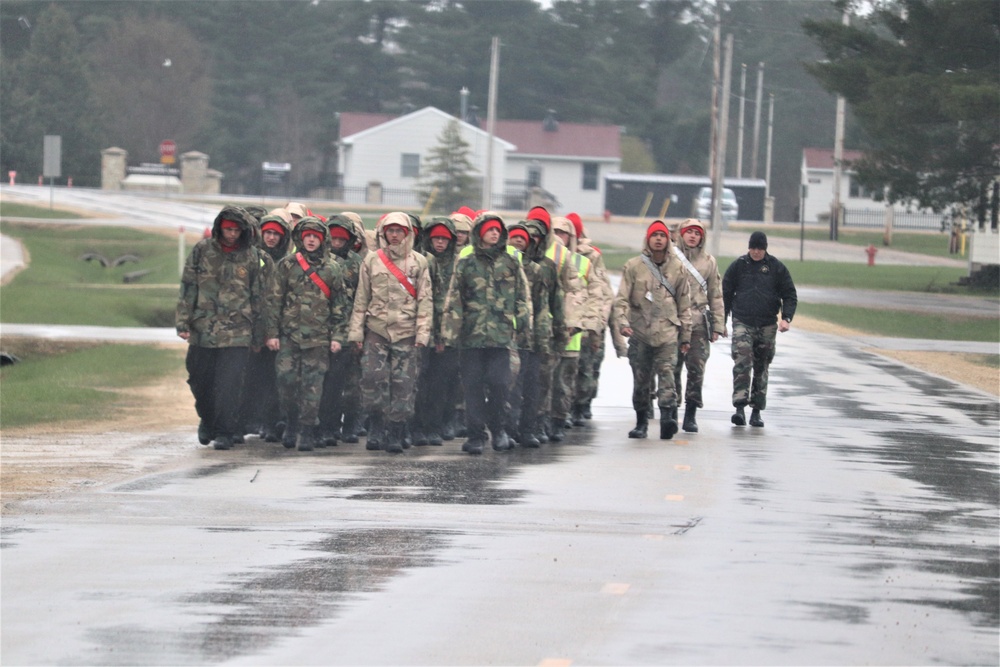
pixel 251 610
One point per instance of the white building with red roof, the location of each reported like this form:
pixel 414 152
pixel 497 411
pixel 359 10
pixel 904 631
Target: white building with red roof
pixel 566 160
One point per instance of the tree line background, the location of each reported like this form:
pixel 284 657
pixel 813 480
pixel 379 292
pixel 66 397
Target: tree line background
pixel 265 80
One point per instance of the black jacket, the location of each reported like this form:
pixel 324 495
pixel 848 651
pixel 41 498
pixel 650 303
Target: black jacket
pixel 755 292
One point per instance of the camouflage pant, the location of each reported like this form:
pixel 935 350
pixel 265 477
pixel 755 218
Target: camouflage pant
pixel 564 386
pixel 589 372
pixel 300 373
pixel 389 374
pixel 651 363
pixel 694 361
pixel 547 362
pixel 753 349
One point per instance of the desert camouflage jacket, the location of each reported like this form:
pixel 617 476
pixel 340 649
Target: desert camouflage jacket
pixel 487 304
pixel 222 294
pixel 299 311
pixel 656 317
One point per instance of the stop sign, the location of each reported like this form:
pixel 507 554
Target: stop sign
pixel 167 150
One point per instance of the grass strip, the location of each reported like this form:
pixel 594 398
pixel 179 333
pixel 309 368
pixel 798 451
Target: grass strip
pixel 59 287
pixel 902 324
pixel 923 243
pixel 76 382
pixel 19 210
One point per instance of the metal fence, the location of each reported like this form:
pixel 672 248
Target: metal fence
pixel 875 219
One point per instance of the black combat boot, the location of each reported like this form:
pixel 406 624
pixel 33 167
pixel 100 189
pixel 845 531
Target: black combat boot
pixel 541 429
pixel 419 437
pixel 668 424
pixel 641 424
pixel 306 441
pixel 500 441
pixel 755 419
pixel 556 433
pixel 271 433
pixel 448 429
pixel 587 414
pixel 739 417
pixel 291 433
pixel 690 425
pixel 394 433
pixel 476 442
pixel 460 429
pixel 577 416
pixel 375 434
pixel 223 442
pixel 204 433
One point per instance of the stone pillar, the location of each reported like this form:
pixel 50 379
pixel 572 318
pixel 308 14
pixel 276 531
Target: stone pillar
pixel 113 162
pixel 213 182
pixel 373 193
pixel 194 173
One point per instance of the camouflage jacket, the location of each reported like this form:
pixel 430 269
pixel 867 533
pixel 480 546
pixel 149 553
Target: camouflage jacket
pixel 705 264
pixel 299 310
pixel 381 303
pixel 442 267
pixel 655 317
pixel 349 260
pixel 222 294
pixel 487 304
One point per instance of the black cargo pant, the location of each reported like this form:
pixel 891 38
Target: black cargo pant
pixel 439 390
pixel 215 375
pixel 485 378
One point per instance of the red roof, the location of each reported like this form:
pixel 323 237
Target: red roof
pixel 822 158
pixel 530 137
pixel 575 139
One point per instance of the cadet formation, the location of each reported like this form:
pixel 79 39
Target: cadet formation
pixel 308 330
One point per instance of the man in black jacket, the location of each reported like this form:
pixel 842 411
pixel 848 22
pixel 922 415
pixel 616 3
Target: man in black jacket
pixel 756 288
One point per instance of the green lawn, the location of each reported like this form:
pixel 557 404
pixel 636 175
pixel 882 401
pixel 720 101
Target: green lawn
pixel 61 288
pixel 923 243
pixel 902 324
pixel 71 381
pixel 19 210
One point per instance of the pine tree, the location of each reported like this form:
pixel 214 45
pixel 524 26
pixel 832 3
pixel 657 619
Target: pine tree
pixel 446 173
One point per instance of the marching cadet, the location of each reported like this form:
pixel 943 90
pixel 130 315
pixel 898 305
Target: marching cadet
pixel 339 409
pixel 708 317
pixel 600 297
pixel 391 322
pixel 308 322
pixel 220 313
pixel 487 317
pixel 653 309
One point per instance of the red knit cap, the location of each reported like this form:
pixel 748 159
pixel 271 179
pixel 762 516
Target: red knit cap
pixel 657 226
pixel 517 231
pixel 465 210
pixel 684 228
pixel 312 232
pixel 440 231
pixel 230 224
pixel 577 223
pixel 539 213
pixel 488 225
pixel 337 232
pixel 273 226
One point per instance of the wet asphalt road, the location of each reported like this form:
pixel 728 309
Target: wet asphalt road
pixel 859 526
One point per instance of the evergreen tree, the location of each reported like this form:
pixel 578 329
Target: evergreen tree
pixel 923 79
pixel 446 173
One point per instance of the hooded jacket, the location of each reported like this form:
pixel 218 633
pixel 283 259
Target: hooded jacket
pixel 279 251
pixel 442 267
pixel 381 303
pixel 223 294
pixel 655 317
pixel 360 234
pixel 302 313
pixel 596 298
pixel 488 300
pixel 349 260
pixel 569 277
pixel 548 331
pixel 708 268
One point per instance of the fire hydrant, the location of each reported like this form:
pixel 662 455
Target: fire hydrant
pixel 871 250
pixel 607 215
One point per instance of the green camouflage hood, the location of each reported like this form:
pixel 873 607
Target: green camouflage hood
pixel 345 223
pixel 477 241
pixel 311 223
pixel 281 249
pixel 448 224
pixel 247 224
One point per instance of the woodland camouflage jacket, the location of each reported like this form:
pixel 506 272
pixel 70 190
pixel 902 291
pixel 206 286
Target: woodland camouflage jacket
pixel 222 294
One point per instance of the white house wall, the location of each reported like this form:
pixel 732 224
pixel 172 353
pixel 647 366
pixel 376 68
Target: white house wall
pixel 819 196
pixel 564 179
pixel 377 156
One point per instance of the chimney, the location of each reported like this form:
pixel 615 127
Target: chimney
pixel 550 124
pixel 463 112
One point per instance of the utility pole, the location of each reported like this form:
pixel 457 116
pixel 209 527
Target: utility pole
pixel 720 152
pixel 739 135
pixel 768 201
pixel 491 116
pixel 713 140
pixel 756 121
pixel 838 159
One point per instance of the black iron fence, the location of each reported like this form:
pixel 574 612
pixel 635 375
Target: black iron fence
pixel 860 218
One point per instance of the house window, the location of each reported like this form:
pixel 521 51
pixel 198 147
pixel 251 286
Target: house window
pixel 410 165
pixel 858 191
pixel 590 175
pixel 534 176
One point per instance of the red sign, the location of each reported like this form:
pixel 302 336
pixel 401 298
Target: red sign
pixel 167 150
